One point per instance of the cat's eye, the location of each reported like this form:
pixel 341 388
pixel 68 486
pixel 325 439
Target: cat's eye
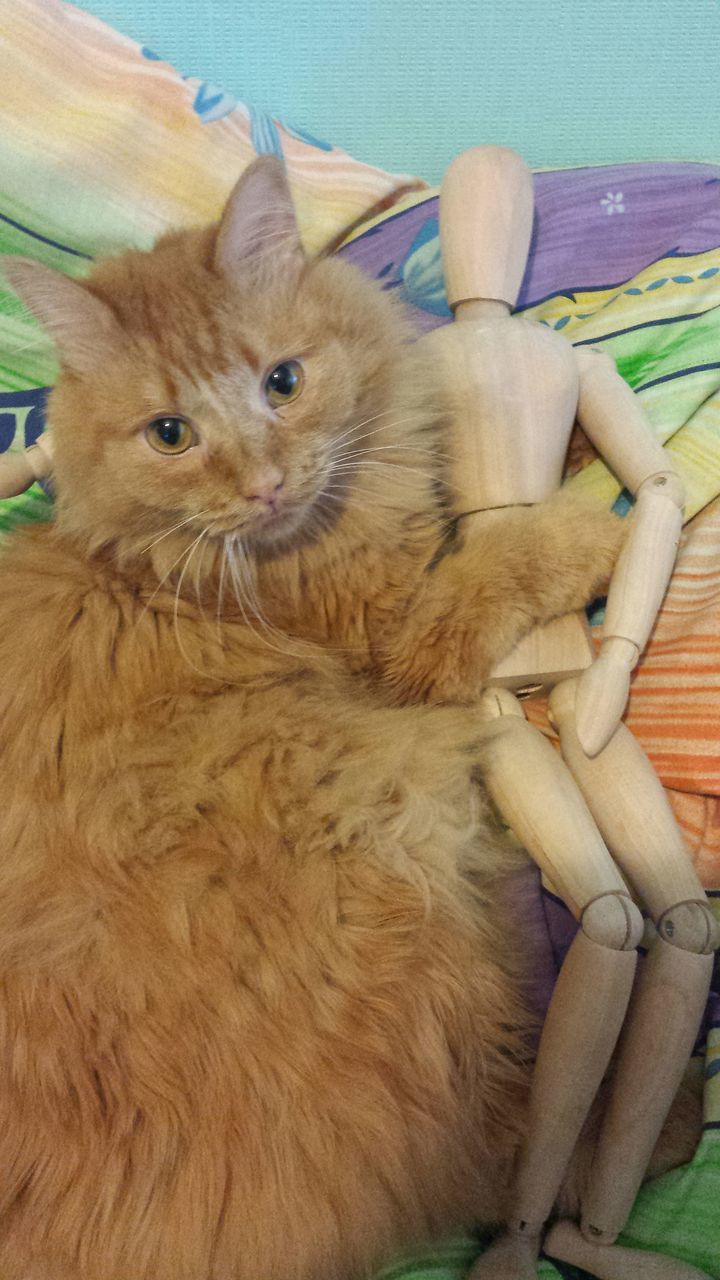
pixel 284 383
pixel 170 435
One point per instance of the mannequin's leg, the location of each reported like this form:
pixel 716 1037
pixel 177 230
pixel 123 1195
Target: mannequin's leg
pixel 568 1244
pixel 633 813
pixel 535 793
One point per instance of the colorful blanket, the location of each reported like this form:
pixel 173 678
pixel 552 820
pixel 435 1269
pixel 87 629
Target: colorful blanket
pixel 103 145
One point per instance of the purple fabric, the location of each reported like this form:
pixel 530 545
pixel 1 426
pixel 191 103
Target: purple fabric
pixel 594 228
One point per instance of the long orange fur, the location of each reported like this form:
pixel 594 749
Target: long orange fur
pixel 260 1014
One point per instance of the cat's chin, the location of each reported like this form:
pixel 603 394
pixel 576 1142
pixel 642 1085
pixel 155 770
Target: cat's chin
pixel 281 533
pixel 292 529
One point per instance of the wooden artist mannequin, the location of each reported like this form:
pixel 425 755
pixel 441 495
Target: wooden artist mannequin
pixel 517 388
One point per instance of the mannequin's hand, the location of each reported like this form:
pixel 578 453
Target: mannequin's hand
pixel 602 693
pixel 19 470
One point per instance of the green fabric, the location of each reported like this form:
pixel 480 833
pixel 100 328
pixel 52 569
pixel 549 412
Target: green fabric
pixel 677 1214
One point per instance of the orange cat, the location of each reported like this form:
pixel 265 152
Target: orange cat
pixel 260 1018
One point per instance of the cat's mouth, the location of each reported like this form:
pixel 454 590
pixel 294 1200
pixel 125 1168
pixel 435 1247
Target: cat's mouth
pixel 277 528
pixel 263 527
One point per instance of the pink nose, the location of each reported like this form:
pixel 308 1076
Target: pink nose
pixel 266 488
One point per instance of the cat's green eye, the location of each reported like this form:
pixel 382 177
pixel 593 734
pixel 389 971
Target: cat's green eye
pixel 284 383
pixel 170 435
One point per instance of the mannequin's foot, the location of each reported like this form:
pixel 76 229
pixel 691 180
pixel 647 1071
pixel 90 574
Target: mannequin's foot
pixel 614 1262
pixel 513 1256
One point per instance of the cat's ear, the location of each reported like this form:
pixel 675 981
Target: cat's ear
pixel 259 218
pixel 81 326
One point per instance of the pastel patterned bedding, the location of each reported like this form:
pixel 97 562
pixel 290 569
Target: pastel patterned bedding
pixel 102 144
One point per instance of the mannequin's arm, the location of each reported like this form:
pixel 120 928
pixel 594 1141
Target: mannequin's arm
pixel 610 413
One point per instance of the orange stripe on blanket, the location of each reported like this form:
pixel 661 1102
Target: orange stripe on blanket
pixel 699 819
pixel 674 708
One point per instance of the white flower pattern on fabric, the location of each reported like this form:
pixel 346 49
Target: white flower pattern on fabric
pixel 613 202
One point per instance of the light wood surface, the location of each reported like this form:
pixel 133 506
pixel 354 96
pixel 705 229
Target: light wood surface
pixel 546 656
pixel 512 1256
pixel 656 1045
pixel 487 200
pixel 566 1242
pixel 612 416
pixel 646 562
pixel 535 792
pixel 587 1012
pixel 19 470
pixel 512 390
pixel 631 808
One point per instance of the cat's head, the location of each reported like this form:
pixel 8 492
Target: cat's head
pixel 221 382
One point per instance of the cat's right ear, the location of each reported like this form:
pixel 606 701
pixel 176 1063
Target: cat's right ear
pixel 258 221
pixel 82 327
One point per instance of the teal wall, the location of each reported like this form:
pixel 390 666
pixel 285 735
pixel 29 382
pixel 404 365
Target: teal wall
pixel 407 83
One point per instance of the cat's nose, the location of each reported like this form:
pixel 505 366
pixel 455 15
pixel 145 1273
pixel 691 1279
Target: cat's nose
pixel 266 488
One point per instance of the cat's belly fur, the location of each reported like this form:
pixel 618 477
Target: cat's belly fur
pixel 252 1018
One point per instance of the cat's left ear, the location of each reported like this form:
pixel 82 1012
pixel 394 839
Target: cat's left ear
pixel 82 327
pixel 259 220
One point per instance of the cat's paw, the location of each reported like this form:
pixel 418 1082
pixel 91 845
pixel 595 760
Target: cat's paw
pixel 444 661
pixel 585 540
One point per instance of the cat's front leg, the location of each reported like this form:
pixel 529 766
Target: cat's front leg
pixel 508 571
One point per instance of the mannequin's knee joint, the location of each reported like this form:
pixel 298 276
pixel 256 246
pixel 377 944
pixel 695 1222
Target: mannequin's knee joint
pixel 690 926
pixel 597 1235
pixel 613 921
pixel 561 705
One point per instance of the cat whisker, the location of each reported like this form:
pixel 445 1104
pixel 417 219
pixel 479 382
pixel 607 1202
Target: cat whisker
pixel 196 516
pixel 338 491
pixel 240 590
pixel 404 472
pixel 341 450
pixel 221 580
pixel 234 579
pixel 398 448
pixel 246 594
pixel 356 425
pixel 424 421
pixel 176 626
pixel 361 461
pixel 341 443
pixel 255 605
pixel 164 579
pixel 27 346
pixel 198 570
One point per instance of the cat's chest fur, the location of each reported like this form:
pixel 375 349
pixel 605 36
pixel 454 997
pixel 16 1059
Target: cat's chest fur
pixel 132 765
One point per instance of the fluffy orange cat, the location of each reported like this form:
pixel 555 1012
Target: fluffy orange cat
pixel 260 1017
